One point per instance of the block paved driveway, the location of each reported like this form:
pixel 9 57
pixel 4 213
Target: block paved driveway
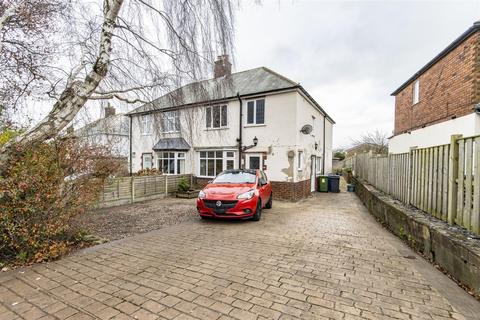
pixel 324 258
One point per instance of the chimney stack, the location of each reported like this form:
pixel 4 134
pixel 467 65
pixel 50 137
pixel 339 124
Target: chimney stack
pixel 109 111
pixel 222 67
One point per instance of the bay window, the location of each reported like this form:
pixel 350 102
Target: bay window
pixel 212 162
pixel 171 162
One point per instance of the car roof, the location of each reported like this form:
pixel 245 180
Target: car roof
pixel 252 171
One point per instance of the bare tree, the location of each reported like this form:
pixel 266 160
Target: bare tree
pixel 129 50
pixel 377 141
pixel 27 47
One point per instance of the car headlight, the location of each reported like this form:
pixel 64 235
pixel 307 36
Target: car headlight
pixel 202 195
pixel 246 195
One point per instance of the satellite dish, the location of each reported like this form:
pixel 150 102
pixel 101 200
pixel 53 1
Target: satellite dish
pixel 306 129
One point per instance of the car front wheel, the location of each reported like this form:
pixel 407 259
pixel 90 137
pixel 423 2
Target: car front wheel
pixel 258 211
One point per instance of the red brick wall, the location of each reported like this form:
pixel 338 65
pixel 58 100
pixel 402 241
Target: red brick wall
pixel 200 183
pixel 292 191
pixel 281 190
pixel 449 89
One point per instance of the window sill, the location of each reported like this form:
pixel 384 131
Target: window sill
pixel 215 129
pixel 170 132
pixel 205 177
pixel 146 134
pixel 255 125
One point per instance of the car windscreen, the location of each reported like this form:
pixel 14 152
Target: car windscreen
pixel 235 177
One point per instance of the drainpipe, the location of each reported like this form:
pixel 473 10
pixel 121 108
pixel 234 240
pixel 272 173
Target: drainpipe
pixel 240 131
pixel 130 142
pixel 323 149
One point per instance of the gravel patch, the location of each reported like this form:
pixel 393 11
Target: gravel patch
pixel 127 220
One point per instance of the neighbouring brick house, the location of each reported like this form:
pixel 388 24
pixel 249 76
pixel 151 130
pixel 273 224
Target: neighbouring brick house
pixel 203 128
pixel 442 98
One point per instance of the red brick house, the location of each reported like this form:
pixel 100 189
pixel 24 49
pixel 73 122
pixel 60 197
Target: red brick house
pixel 442 98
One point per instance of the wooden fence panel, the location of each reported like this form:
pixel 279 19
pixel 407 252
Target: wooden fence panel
pixel 475 216
pixel 125 190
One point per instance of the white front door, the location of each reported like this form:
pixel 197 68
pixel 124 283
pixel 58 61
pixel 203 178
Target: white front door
pixel 312 173
pixel 253 161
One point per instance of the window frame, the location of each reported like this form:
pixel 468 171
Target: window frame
pixel 318 165
pixel 416 92
pixel 143 161
pixel 225 160
pixel 176 157
pixel 222 117
pixel 255 108
pixel 146 124
pixel 168 116
pixel 300 156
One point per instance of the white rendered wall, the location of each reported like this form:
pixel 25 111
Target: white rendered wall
pixel 436 134
pixel 285 114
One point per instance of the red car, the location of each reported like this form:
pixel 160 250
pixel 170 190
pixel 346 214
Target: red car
pixel 236 194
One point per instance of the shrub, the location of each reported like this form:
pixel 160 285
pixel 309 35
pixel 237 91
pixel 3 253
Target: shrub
pixel 42 189
pixel 148 172
pixel 183 185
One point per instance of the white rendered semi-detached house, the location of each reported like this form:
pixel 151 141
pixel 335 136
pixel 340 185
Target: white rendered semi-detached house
pixel 111 132
pixel 250 119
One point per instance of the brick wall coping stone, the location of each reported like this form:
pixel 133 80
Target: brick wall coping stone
pixel 453 249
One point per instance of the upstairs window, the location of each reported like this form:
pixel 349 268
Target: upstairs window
pixel 216 116
pixel 146 124
pixel 416 92
pixel 171 121
pixel 256 111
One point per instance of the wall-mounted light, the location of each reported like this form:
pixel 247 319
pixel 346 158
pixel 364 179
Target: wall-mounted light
pixel 255 142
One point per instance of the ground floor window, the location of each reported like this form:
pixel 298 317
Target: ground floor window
pixel 212 162
pixel 319 165
pixel 146 160
pixel 171 162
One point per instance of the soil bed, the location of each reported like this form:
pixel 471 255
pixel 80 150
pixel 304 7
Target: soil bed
pixel 127 220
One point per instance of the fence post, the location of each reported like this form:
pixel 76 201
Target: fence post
pixel 132 188
pixel 410 175
pixel 166 185
pixel 452 179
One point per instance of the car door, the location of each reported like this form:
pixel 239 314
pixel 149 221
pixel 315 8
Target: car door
pixel 268 186
pixel 264 187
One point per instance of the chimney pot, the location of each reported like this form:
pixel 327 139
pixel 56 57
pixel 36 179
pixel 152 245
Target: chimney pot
pixel 222 66
pixel 109 111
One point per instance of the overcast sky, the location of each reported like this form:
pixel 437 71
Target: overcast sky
pixel 349 55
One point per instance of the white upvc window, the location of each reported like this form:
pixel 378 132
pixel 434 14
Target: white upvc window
pixel 216 116
pixel 416 92
pixel 146 160
pixel 146 124
pixel 256 111
pixel 319 165
pixel 300 160
pixel 170 162
pixel 212 162
pixel 171 121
